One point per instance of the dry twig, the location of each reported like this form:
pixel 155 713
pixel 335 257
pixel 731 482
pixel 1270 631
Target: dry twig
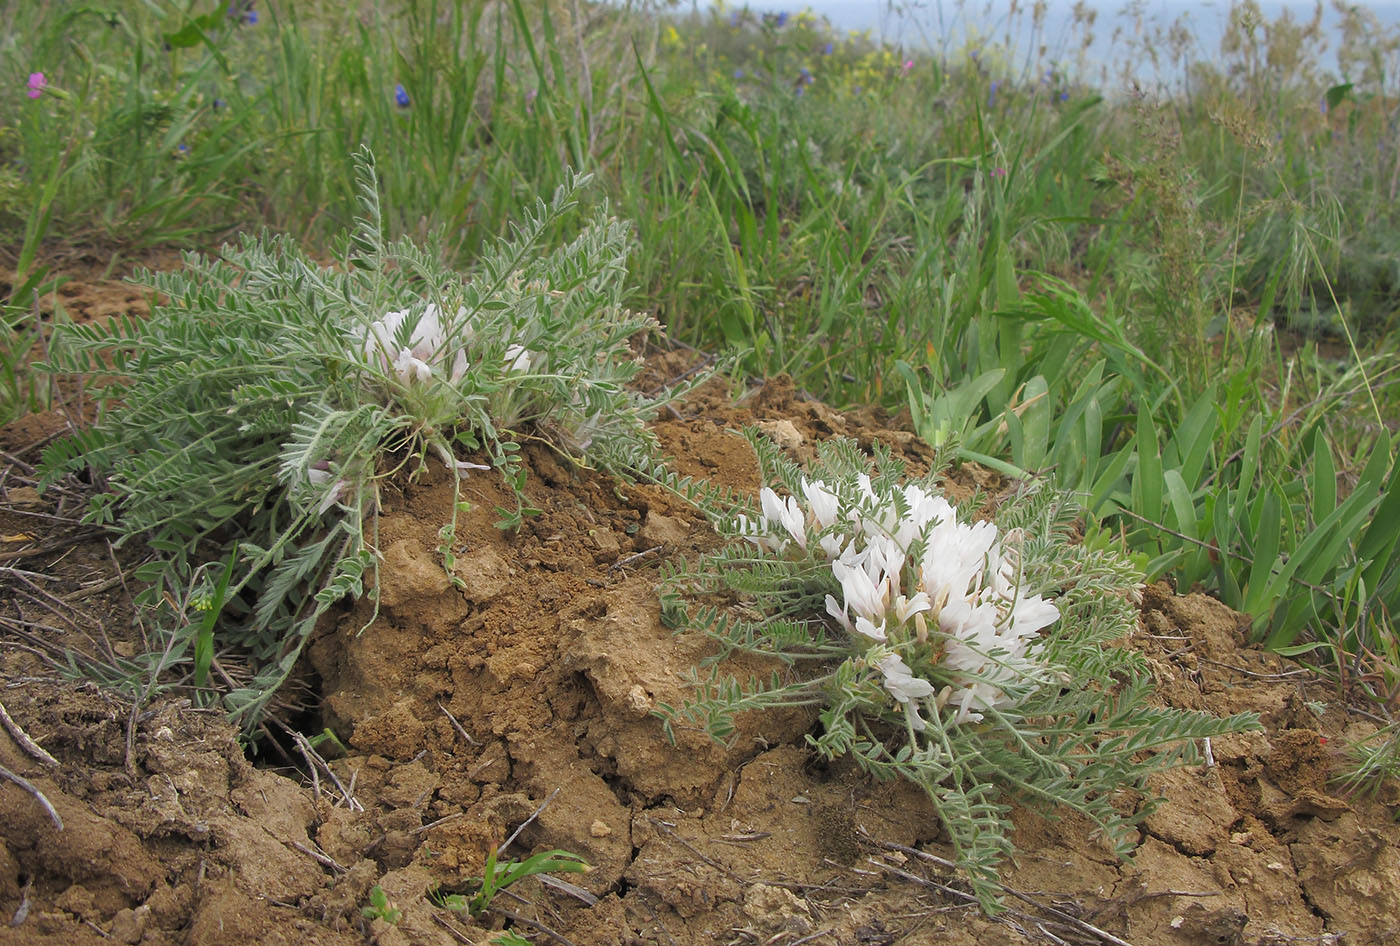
pixel 22 737
pixel 32 789
pixel 524 824
pixel 314 761
pixel 1063 917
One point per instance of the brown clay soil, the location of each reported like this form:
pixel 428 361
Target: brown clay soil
pixel 526 697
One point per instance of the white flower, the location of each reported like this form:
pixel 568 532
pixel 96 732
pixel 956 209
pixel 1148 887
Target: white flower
pixel 885 561
pixel 991 648
pixel 757 533
pixel 319 474
pixel 459 366
pixel 862 592
pixel 870 629
pixel 460 467
pixel 822 503
pixel 838 611
pixel 409 366
pixel 906 608
pixel 425 350
pixel 1031 614
pixel 905 687
pixel 786 514
pixel 955 556
pixel 964 589
pixel 519 359
pixel 877 518
pixel 923 509
pixel 831 545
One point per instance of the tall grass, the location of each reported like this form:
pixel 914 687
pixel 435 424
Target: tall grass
pixel 1175 302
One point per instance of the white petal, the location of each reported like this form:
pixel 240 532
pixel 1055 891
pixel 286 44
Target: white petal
pixel 332 496
pixel 518 359
pixel 459 366
pixel 900 680
pixel 905 608
pixel 831 545
pixel 794 521
pixel 822 502
pixel 870 630
pixel 772 506
pixel 839 613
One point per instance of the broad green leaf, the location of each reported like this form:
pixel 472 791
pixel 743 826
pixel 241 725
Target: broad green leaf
pixel 1008 293
pixel 1227 568
pixel 1147 480
pixel 1319 549
pixel 1183 509
pixel 1249 466
pixel 1109 478
pixel 1324 478
pixel 1194 437
pixel 1266 546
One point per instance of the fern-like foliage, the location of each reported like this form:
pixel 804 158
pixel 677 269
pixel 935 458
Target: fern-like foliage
pixel 1063 718
pixel 262 402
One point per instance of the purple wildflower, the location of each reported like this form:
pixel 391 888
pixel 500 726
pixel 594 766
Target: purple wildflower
pixel 241 12
pixel 401 97
pixel 37 84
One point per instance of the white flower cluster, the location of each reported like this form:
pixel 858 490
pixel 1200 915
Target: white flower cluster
pixel 433 345
pixel 428 346
pixel 963 584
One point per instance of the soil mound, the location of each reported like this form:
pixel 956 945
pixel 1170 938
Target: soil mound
pixel 515 697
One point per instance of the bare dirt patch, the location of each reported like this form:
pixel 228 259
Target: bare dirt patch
pixel 524 695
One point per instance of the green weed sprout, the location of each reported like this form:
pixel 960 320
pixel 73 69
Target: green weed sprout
pixel 249 421
pixel 498 875
pixel 379 907
pixel 510 938
pixel 973 659
pixel 1372 760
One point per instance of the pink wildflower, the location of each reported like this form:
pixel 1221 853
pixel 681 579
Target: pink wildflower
pixel 37 82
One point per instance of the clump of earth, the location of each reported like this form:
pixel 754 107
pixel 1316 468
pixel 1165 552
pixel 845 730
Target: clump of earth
pixel 519 701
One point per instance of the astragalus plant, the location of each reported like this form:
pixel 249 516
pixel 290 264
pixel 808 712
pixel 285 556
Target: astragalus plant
pixel 245 427
pixel 980 660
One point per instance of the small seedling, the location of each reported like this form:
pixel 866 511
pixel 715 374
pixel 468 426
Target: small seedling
pixel 498 875
pixel 327 736
pixel 380 908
